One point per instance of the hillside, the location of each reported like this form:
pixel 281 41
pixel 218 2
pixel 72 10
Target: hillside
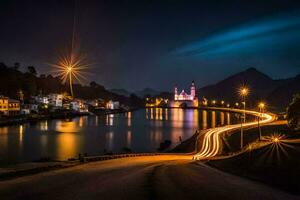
pixel 12 81
pixel 277 93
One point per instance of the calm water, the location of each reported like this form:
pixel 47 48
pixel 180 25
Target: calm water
pixel 141 131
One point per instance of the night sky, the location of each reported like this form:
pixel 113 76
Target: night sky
pixel 157 44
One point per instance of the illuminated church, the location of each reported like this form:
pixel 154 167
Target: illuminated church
pixel 183 99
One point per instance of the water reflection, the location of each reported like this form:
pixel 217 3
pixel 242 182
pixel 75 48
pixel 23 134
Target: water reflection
pixel 204 119
pixel 228 118
pixel 147 113
pixel 129 119
pixel 196 118
pixel 213 119
pixel 110 120
pixel 128 139
pixel 66 126
pixel 44 125
pixel 222 118
pixel 151 113
pixel 21 131
pixel 109 140
pixel 141 131
pixel 81 121
pixel 66 145
pixel 166 114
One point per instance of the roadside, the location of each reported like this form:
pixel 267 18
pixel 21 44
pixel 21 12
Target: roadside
pixel 276 164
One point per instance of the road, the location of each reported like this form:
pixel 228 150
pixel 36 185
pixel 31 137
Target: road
pixel 211 143
pixel 147 177
pixel 156 177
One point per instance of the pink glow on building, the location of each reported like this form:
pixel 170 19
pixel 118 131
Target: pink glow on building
pixel 183 96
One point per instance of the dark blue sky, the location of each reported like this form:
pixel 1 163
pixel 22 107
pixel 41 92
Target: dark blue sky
pixel 137 44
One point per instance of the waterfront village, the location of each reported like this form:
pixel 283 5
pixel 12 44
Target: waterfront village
pixel 57 105
pixel 52 106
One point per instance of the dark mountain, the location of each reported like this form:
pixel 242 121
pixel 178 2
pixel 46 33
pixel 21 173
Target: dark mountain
pixel 121 92
pixel 12 81
pixel 283 94
pixel 147 91
pixel 261 87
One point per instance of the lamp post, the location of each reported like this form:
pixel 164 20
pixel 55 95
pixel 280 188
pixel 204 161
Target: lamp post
pixel 261 106
pixel 243 93
pixel 70 71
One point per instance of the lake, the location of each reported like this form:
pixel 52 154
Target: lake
pixel 141 131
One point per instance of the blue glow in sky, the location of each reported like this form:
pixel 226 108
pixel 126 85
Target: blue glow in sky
pixel 250 37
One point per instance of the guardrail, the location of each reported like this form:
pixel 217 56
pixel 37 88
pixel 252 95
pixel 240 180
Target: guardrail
pixel 109 157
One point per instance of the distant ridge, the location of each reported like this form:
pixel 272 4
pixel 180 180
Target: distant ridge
pixel 122 92
pixel 147 91
pixel 276 93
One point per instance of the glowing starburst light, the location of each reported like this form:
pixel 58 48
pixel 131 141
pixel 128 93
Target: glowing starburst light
pixel 70 68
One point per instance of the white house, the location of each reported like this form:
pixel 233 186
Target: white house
pixel 113 105
pixel 55 100
pixel 78 105
pixel 41 99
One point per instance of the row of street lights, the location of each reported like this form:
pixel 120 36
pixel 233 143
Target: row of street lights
pixel 244 91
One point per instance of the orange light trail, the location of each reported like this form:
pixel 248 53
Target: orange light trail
pixel 211 144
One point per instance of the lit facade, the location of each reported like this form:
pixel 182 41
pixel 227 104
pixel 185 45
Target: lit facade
pixel 55 100
pixel 13 107
pixel 4 105
pixel 112 105
pixel 183 96
pixel 9 106
pixel 184 99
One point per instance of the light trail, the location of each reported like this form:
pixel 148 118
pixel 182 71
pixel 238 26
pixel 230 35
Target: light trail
pixel 211 144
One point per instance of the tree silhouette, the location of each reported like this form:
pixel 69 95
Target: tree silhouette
pixel 16 66
pixel 293 113
pixel 32 70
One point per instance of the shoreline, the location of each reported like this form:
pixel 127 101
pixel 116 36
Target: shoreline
pixel 187 147
pixel 63 115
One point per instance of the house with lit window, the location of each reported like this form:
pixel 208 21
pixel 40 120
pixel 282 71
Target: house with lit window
pixel 9 106
pixel 3 105
pixel 55 100
pixel 112 105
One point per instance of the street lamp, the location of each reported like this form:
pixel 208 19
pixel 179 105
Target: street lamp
pixel 261 106
pixel 243 93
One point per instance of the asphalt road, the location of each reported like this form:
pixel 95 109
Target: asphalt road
pixel 156 177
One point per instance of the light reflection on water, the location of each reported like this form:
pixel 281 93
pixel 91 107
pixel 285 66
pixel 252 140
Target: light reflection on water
pixel 141 131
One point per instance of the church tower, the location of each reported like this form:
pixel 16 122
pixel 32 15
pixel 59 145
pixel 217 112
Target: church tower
pixel 175 93
pixel 193 90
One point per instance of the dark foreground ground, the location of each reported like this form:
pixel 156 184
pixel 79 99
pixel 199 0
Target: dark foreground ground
pixel 277 164
pixel 157 177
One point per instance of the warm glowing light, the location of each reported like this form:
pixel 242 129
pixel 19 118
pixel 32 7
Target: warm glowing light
pixel 276 139
pixel 71 67
pixel 211 143
pixel 214 102
pixel 244 91
pixel 261 105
